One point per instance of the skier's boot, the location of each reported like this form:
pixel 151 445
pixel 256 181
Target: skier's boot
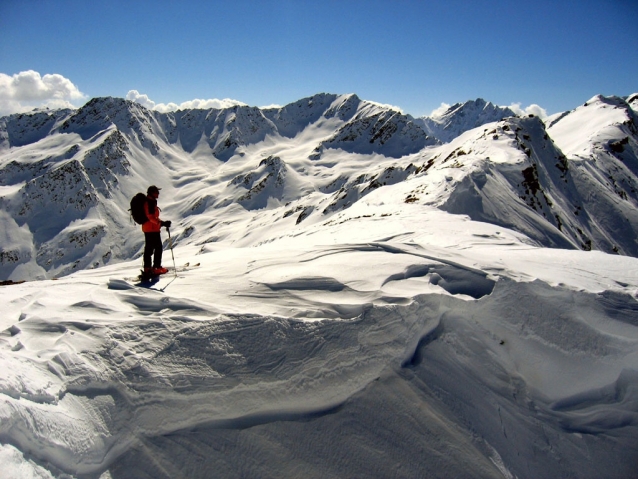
pixel 159 270
pixel 147 274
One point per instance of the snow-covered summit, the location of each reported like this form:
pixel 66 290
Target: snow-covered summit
pixel 462 117
pixel 596 124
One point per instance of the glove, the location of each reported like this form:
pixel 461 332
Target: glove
pixel 166 223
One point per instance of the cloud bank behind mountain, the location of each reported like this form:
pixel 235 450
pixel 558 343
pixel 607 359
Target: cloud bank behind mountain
pixel 24 91
pixel 27 90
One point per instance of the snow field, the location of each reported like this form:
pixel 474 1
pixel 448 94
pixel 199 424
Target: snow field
pixel 259 347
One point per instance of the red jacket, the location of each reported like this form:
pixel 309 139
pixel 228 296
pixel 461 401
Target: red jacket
pixel 154 224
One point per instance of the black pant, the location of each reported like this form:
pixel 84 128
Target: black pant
pixel 152 249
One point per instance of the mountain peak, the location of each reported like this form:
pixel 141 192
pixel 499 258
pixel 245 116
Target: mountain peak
pixel 462 117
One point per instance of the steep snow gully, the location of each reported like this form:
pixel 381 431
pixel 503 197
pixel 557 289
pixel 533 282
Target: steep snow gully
pixel 360 301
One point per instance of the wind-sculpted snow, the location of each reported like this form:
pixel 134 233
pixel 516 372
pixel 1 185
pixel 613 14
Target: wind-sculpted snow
pixel 518 410
pixel 183 363
pixel 332 354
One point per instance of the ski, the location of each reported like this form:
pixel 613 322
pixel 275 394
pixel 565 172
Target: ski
pixel 147 279
pixel 185 267
pixel 151 281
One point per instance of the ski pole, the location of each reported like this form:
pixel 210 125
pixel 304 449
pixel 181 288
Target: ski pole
pixel 170 243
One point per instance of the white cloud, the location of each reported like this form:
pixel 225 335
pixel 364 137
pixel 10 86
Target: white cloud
pixel 274 105
pixel 27 90
pixel 144 100
pixel 532 109
pixel 386 105
pixel 437 112
pixel 166 107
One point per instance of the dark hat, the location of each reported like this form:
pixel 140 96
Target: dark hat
pixel 152 189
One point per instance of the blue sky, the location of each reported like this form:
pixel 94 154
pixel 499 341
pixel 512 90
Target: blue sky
pixel 411 54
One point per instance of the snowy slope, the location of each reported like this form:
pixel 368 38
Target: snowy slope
pixel 513 174
pixel 600 142
pixel 359 301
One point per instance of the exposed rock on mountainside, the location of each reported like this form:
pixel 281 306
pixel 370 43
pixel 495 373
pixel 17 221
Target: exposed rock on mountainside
pixel 530 192
pixel 600 142
pixel 222 130
pixel 385 131
pixel 354 189
pixel 292 119
pixel 267 181
pixel 107 161
pixel 130 118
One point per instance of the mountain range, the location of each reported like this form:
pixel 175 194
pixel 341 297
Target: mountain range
pixel 66 176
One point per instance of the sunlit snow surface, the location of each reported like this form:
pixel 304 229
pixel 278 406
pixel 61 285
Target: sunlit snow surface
pixel 343 314
pixel 455 350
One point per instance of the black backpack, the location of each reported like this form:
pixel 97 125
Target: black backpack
pixel 137 208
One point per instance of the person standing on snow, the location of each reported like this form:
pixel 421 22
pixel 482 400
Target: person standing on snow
pixel 151 229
